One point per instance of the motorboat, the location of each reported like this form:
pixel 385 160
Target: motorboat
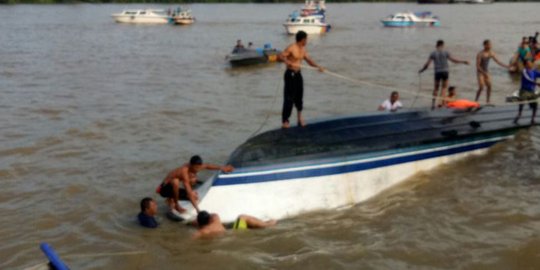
pixel 183 16
pixel 338 162
pixel 311 19
pixel 433 1
pixel 410 19
pixel 142 16
pixel 472 1
pixel 248 56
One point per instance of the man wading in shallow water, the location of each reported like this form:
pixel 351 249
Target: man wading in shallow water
pixel 293 93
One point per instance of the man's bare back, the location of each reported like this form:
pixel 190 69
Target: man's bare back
pixel 294 55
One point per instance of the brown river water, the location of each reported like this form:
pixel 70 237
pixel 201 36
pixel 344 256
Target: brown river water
pixel 93 114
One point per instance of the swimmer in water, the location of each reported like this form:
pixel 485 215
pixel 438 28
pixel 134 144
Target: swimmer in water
pixel 210 224
pixel 178 184
pixel 148 212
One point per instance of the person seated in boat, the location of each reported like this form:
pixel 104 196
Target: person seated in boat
pixel 452 102
pixel 209 225
pixel 527 91
pixel 250 45
pixel 179 183
pixel 523 53
pixel 392 104
pixel 239 46
pixel 148 213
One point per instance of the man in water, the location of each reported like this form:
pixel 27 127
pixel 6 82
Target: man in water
pixel 210 224
pixel 392 104
pixel 440 58
pixel 482 72
pixel 293 56
pixel 178 184
pixel 527 91
pixel 148 212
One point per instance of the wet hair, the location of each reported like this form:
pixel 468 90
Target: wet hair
pixel 195 160
pixel 301 35
pixel 145 203
pixel 486 42
pixel 440 42
pixel 203 218
pixel 394 93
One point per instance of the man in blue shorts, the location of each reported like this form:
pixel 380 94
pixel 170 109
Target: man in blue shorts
pixel 440 59
pixel 527 91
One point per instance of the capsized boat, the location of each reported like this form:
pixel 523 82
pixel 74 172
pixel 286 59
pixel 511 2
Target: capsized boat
pixel 142 16
pixel 246 56
pixel 183 16
pixel 344 161
pixel 311 19
pixel 409 19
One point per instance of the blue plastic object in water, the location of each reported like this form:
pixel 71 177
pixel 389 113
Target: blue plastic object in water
pixel 55 261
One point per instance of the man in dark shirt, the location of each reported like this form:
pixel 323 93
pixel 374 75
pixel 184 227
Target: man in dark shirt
pixel 148 212
pixel 440 58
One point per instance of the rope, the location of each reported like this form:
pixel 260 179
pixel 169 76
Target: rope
pixel 356 81
pixel 267 114
pixel 419 88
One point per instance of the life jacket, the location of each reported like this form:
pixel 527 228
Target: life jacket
pixel 462 104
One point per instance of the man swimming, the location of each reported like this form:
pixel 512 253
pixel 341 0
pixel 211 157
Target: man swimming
pixel 482 72
pixel 148 212
pixel 178 184
pixel 293 92
pixel 440 59
pixel 210 224
pixel 527 91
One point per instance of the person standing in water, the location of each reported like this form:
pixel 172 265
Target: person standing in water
pixel 482 72
pixel 293 94
pixel 440 59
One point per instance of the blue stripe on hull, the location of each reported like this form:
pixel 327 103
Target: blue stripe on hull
pixel 349 168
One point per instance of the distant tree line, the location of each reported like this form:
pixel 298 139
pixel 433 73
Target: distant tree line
pixel 200 1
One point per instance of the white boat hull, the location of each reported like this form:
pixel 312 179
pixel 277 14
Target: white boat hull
pixel 290 197
pixel 293 28
pixel 140 19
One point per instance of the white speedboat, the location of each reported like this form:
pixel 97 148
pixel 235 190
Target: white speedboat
pixel 311 19
pixel 409 19
pixel 344 161
pixel 183 16
pixel 150 16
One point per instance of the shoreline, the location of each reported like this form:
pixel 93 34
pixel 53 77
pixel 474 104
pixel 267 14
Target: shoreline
pixel 174 2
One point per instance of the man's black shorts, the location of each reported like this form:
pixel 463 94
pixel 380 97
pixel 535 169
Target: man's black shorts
pixel 441 76
pixel 166 191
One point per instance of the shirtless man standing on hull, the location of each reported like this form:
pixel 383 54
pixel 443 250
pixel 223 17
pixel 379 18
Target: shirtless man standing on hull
pixel 482 62
pixel 294 84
